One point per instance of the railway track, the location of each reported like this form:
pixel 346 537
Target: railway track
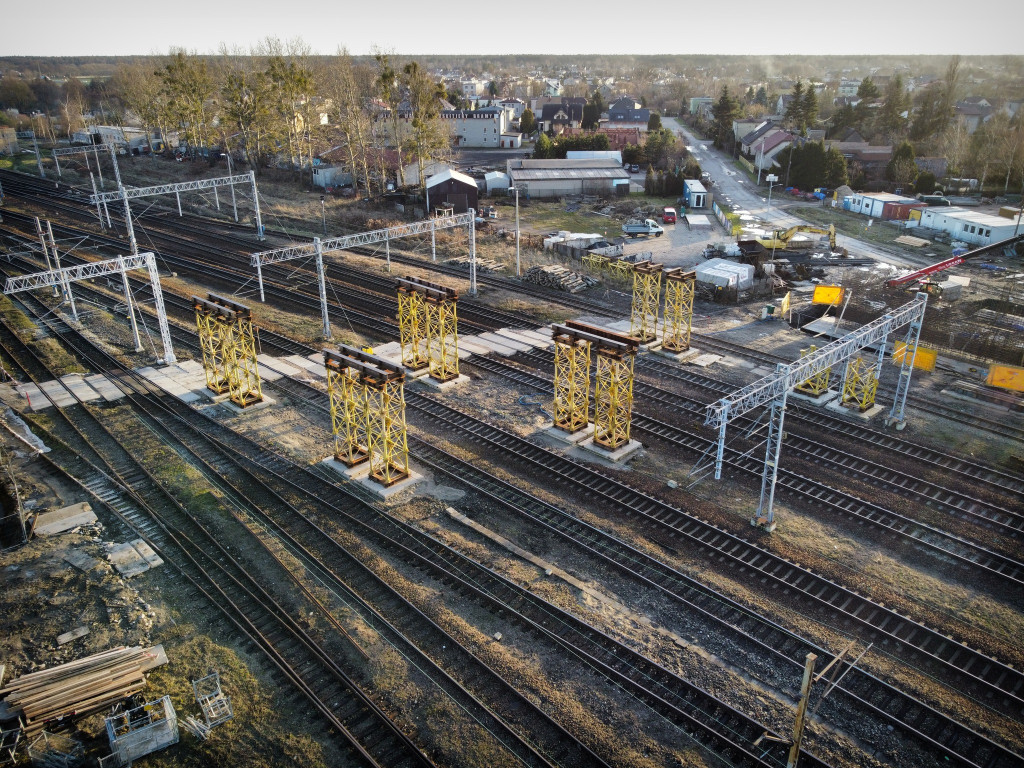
pixel 710 722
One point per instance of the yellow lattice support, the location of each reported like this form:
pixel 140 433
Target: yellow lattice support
pixel 613 399
pixel 596 262
pixel 412 327
pixel 860 384
pixel 643 319
pixel 348 413
pixel 572 382
pixel 211 342
pixel 386 433
pixel 442 337
pixel 240 353
pixel 620 267
pixel 817 383
pixel 679 290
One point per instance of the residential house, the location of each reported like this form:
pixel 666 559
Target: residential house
pixel 626 112
pixel 473 87
pixel 515 107
pixel 767 149
pixel 567 113
pixel 752 137
pixel 481 128
pixel 847 87
pixel 973 112
pixel 872 159
pixel 618 138
pixel 696 102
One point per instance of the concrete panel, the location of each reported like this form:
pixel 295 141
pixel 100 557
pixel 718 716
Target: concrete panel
pixel 470 344
pixel 501 345
pixel 65 519
pixel 57 393
pixel 37 401
pixel 307 365
pixel 105 387
pixel 518 338
pixel 82 391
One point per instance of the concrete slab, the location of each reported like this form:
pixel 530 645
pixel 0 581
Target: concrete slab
pixel 619 455
pixel 822 399
pixel 680 357
pixel 65 519
pixel 470 344
pixel 192 366
pixel 168 384
pixel 498 338
pixel 79 388
pixel 34 396
pixel 541 338
pixel 705 360
pixel 867 415
pixel 444 385
pixel 132 558
pixel 574 438
pixel 276 364
pixel 307 365
pixel 389 350
pixel 105 387
pixel 518 338
pixel 57 393
pixel 80 560
pixel 266 373
pixel 498 345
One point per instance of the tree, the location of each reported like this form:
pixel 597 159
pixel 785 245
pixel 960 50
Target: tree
pixel 890 121
pixel 430 135
pixel 795 109
pixel 867 89
pixel 187 86
pixel 654 123
pixel 726 110
pixel 761 97
pixel 353 121
pixel 898 165
pixel 925 183
pixel 15 93
pixel 592 111
pixel 809 109
pixel 543 148
pixel 650 182
pixel 527 122
pixel 836 173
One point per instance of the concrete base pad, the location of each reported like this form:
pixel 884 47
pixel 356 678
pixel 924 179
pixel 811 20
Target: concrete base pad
pixel 618 455
pixel 651 346
pixel 360 470
pixel 132 558
pixel 867 415
pixel 61 520
pixel 822 399
pixel 266 402
pixel 763 524
pixel 392 491
pixel 679 357
pixel 443 385
pixel 704 360
pixel 575 438
pixel 416 375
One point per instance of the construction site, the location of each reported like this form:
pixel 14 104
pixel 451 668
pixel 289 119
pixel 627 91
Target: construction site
pixel 387 490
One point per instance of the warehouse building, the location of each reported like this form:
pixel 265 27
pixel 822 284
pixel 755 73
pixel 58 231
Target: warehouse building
pixel 964 224
pixel 562 178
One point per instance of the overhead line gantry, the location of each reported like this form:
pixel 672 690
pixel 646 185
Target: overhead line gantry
pixel 774 390
pixel 319 247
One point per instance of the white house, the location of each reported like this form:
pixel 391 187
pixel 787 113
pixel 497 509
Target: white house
pixel 485 127
pixel 474 87
pixel 970 226
pixel 496 180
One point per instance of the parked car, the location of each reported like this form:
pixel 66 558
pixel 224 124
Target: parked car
pixel 634 168
pixel 636 228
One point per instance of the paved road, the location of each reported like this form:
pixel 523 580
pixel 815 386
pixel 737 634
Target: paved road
pixel 732 186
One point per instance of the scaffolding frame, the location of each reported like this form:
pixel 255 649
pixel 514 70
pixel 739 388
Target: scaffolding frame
pixel 232 343
pixel 643 317
pixel 435 314
pixel 119 265
pixel 349 414
pixel 214 703
pixel 572 380
pixel 774 390
pixel 860 383
pixel 412 327
pixel 678 317
pixel 383 389
pixel 142 730
pixel 818 382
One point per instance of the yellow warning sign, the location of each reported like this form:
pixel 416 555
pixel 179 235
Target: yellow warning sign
pixel 924 360
pixel 828 294
pixel 784 304
pixel 1007 377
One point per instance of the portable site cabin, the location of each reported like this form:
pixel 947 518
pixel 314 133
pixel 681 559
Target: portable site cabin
pixel 694 193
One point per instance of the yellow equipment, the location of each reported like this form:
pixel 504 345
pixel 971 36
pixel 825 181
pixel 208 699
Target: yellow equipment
pixel 781 239
pixel 427 314
pixel 679 288
pixel 817 383
pixel 643 320
pixel 229 349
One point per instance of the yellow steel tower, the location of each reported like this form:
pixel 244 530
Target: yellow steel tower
pixel 613 390
pixel 643 320
pixel 439 319
pixel 572 380
pixel 411 326
pixel 679 288
pixel 348 409
pixel 240 353
pixel 211 341
pixel 817 383
pixel 860 384
pixel 385 405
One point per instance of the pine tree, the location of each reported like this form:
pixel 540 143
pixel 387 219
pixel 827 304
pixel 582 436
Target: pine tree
pixel 809 109
pixel 725 110
pixel 795 108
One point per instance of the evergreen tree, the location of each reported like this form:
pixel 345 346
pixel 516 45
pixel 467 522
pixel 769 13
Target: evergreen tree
pixel 795 109
pixel 836 173
pixel 890 117
pixel 867 89
pixel 726 110
pixel 903 155
pixel 749 97
pixel 527 122
pixel 650 181
pixel 809 109
pixel 544 148
pixel 654 123
pixel 762 96
pixel 592 111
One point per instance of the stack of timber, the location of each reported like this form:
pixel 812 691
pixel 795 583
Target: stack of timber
pixel 482 265
pixel 80 687
pixel 559 278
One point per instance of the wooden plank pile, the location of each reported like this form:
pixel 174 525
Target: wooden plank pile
pixel 80 687
pixel 559 278
pixel 482 265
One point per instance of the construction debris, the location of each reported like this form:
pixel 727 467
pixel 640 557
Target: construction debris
pixel 559 278
pixel 56 750
pixel 482 265
pixel 198 729
pixel 215 704
pixel 140 731
pixel 80 687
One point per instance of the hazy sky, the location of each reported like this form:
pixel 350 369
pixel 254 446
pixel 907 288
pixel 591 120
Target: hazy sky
pixel 413 27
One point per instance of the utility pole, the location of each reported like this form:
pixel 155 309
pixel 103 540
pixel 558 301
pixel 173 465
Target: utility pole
pixel 801 711
pixel 518 272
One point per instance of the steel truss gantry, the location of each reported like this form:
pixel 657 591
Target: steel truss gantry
pixel 111 148
pixel 228 331
pixel 124 194
pixel 373 392
pixel 613 390
pixel 93 269
pixel 817 383
pixel 319 247
pixel 643 318
pixel 678 317
pixel 774 390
